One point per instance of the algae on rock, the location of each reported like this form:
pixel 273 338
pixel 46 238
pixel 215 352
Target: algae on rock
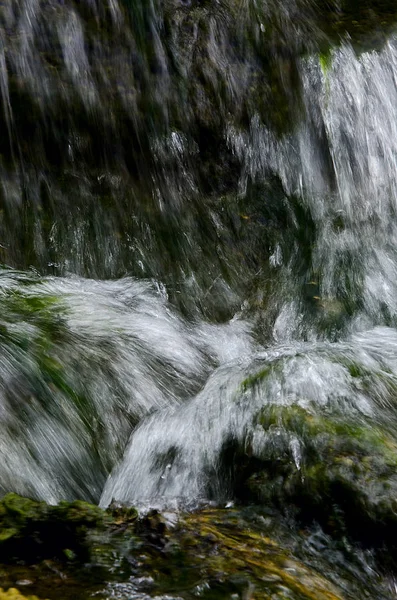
pixel 14 594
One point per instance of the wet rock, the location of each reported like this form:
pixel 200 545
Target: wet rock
pixel 229 556
pixel 91 86
pixel 326 468
pixel 213 552
pixel 33 531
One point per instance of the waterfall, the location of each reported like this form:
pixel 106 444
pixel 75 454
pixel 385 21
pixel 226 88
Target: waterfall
pixel 198 234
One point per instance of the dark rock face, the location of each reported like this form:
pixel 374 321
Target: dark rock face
pixel 115 119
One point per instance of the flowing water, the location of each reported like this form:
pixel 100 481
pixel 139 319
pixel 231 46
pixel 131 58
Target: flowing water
pixel 198 224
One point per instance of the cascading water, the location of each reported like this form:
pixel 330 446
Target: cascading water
pixel 349 195
pixel 176 455
pixel 80 373
pixel 198 243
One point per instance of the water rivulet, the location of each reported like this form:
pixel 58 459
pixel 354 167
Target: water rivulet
pixel 198 286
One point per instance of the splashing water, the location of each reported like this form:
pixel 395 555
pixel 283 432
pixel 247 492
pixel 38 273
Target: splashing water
pixel 227 179
pixel 340 163
pixel 84 363
pixel 175 455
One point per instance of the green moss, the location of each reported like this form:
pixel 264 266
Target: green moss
pixel 256 378
pixel 7 533
pixel 14 594
pixel 325 60
pixel 31 530
pixel 329 468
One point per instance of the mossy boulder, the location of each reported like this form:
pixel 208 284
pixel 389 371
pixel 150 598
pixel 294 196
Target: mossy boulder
pixel 33 531
pixel 323 466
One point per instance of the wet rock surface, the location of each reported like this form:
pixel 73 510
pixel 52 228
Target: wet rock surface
pixel 80 551
pixel 328 470
pixel 113 110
